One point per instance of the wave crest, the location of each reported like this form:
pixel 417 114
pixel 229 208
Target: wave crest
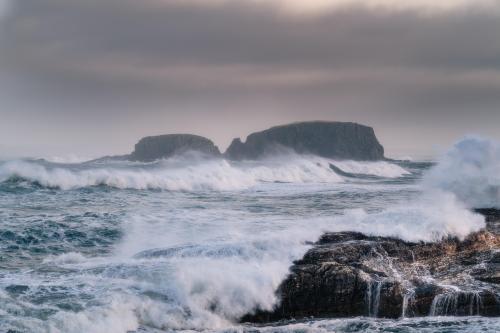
pixel 179 174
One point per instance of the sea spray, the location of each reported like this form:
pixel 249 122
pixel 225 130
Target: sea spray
pixel 430 217
pixel 380 168
pixel 221 282
pixel 191 174
pixel 470 170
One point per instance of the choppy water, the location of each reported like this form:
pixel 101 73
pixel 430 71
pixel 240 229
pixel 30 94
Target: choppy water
pixel 193 244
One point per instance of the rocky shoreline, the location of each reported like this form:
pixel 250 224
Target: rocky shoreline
pixel 348 274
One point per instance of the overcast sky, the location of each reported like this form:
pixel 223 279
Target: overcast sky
pixel 91 77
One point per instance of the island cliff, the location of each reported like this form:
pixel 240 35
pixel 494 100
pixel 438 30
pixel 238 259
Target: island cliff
pixel 337 140
pixel 327 139
pixel 163 146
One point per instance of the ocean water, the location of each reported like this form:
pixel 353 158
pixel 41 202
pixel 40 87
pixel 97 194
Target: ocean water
pixel 192 244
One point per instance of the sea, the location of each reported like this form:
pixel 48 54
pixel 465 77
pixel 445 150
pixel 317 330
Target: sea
pixel 191 244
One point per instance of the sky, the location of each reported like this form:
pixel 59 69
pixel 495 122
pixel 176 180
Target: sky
pixel 91 77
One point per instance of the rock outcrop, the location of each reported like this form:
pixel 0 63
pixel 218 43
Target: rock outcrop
pixel 349 274
pixel 163 146
pixel 327 139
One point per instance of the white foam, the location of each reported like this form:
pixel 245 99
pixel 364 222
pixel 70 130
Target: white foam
pixel 205 291
pixel 430 218
pixel 470 170
pixel 228 270
pixel 117 317
pixel 205 175
pixel 233 264
pixel 192 174
pixel 65 258
pixel 377 168
pixel 69 159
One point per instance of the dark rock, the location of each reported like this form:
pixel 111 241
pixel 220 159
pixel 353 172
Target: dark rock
pixel 163 146
pixel 328 139
pixel 492 218
pixel 237 150
pixel 16 289
pixel 349 274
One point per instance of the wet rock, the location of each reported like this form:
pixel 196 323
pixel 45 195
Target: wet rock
pixel 492 218
pixel 328 139
pixel 16 289
pixel 349 274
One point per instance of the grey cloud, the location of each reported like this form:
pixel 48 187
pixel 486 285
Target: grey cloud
pixel 115 57
pixel 59 34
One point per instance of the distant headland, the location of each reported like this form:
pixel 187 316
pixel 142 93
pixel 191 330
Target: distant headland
pixel 337 140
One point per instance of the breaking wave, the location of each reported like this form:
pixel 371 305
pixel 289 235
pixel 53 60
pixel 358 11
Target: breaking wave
pixel 193 174
pixel 430 218
pixel 168 281
pixel 379 168
pixel 471 171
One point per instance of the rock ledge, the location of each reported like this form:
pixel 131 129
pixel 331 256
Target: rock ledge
pixel 348 274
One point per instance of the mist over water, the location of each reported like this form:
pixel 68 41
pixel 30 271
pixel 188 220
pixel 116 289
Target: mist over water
pixel 470 170
pixel 193 244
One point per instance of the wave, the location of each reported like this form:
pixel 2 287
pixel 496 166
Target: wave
pixel 379 168
pixel 170 279
pixel 470 170
pixel 192 174
pixel 205 269
pixel 68 159
pixel 433 216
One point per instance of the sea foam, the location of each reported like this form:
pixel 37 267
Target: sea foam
pixel 470 170
pixel 232 267
pixel 193 174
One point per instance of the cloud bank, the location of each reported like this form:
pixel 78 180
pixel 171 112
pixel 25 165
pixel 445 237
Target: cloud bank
pixel 153 66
